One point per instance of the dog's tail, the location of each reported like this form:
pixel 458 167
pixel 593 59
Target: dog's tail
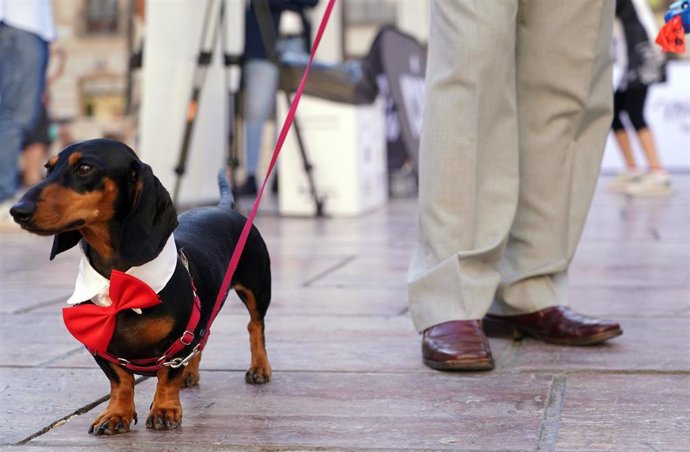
pixel 227 200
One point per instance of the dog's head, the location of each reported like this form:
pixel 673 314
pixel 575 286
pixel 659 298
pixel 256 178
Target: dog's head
pixel 101 191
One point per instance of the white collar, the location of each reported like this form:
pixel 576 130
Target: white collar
pixel 91 285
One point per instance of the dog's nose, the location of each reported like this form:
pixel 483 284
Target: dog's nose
pixel 23 211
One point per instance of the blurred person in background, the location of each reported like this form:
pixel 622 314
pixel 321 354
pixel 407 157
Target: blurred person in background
pixel 638 64
pixel 260 75
pixel 37 142
pixel 26 29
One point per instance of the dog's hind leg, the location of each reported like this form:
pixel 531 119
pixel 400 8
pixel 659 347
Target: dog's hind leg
pixel 260 370
pixel 190 375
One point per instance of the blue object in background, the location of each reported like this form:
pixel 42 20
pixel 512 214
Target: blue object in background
pixel 680 8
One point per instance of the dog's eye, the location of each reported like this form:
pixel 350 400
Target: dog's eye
pixel 83 169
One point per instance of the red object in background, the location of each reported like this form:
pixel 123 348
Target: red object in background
pixel 671 37
pixel 94 325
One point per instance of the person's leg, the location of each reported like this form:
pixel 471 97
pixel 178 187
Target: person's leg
pixel 621 136
pixel 35 150
pixel 468 161
pixel 619 103
pixel 34 156
pixel 631 172
pixel 657 181
pixel 646 139
pixel 636 103
pixel 564 110
pixel 623 142
pixel 24 57
pixel 260 87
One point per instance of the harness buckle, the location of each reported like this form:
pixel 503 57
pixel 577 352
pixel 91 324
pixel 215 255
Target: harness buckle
pixel 175 363
pixel 187 337
pixel 123 362
pixel 179 362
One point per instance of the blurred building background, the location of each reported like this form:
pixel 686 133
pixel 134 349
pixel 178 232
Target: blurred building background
pixel 91 92
pixel 97 35
pixel 101 89
pixel 97 94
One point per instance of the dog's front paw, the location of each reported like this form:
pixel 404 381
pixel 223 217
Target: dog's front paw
pixel 258 375
pixel 164 417
pixel 113 421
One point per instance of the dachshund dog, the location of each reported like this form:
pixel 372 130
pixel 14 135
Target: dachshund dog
pixel 99 195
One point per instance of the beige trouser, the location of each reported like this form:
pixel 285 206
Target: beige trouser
pixel 518 104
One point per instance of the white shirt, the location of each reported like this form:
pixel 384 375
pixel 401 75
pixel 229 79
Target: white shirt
pixel 34 16
pixel 91 285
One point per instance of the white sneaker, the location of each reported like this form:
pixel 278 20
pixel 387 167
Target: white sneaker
pixel 651 184
pixel 621 181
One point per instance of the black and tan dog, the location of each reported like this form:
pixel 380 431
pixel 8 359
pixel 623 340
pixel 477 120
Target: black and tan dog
pixel 100 195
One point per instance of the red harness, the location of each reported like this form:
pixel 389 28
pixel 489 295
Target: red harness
pixel 152 365
pixel 94 325
pixel 127 292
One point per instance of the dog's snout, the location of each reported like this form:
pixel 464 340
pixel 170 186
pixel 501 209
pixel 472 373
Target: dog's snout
pixel 23 211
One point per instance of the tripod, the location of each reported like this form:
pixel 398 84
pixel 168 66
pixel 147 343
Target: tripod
pixel 215 22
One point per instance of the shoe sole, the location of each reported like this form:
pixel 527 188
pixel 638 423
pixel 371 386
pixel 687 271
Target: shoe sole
pixel 462 365
pixel 499 328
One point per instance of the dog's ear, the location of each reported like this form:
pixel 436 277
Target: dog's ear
pixel 64 241
pixel 151 220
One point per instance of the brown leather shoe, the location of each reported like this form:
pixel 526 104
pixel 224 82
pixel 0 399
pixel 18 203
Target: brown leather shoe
pixel 557 325
pixel 457 345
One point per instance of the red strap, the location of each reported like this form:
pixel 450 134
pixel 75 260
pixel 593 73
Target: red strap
pixel 154 364
pixel 289 119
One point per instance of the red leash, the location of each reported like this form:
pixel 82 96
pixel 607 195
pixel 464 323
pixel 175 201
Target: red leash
pixel 96 337
pixel 289 119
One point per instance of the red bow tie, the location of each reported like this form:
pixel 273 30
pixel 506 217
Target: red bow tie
pixel 93 325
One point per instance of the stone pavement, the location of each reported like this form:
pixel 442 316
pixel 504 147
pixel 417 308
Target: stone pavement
pixel 347 368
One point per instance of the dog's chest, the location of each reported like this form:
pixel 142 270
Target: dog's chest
pixel 141 335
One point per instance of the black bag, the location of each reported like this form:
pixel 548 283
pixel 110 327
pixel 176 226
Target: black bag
pixel 350 82
pixel 399 62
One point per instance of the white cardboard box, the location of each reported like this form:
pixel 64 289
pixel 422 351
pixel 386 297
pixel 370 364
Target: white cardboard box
pixel 346 144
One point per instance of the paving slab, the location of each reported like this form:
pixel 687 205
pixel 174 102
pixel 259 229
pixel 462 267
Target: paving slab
pixel 347 364
pixel 613 302
pixel 33 399
pixel 617 412
pixel 44 339
pixel 358 411
pixel 17 300
pixel 612 214
pixel 305 343
pixel 379 271
pixel 650 265
pixel 646 345
pixel 59 274
pixel 297 271
pixel 320 300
